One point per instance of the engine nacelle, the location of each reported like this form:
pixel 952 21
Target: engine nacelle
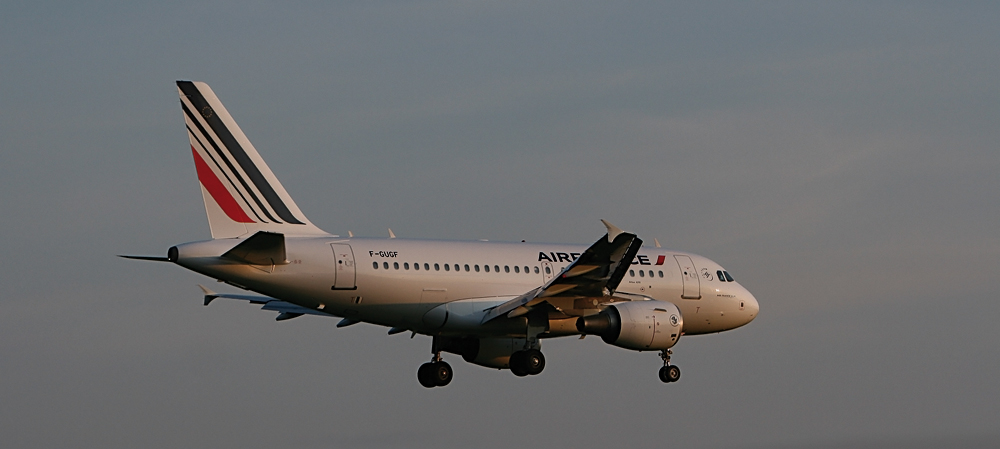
pixel 488 352
pixel 638 325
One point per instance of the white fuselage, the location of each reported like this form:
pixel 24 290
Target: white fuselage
pixel 428 286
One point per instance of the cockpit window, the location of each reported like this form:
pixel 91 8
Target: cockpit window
pixel 728 277
pixel 721 276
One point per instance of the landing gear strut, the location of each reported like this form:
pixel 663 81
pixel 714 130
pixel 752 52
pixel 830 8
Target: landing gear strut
pixel 668 373
pixel 530 361
pixel 436 373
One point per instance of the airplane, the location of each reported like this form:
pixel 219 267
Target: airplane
pixel 492 303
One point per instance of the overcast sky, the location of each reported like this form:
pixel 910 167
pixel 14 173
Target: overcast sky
pixel 841 159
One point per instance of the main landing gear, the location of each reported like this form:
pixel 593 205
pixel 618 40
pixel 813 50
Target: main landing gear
pixel 436 373
pixel 527 363
pixel 669 373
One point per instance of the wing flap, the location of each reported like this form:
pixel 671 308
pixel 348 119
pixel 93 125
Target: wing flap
pixel 595 274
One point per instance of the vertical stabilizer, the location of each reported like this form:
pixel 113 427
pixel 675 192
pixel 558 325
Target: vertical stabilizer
pixel 241 194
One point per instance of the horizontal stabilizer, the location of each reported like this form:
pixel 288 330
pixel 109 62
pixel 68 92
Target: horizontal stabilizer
pixel 262 248
pixel 286 310
pixel 152 258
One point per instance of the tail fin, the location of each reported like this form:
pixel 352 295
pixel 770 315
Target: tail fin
pixel 241 194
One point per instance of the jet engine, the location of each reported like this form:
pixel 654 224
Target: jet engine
pixel 488 352
pixel 637 325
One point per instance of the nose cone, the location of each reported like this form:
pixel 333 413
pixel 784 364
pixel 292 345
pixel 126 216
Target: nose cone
pixel 750 306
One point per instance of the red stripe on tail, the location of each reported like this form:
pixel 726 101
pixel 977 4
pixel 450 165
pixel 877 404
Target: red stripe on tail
pixel 660 259
pixel 218 191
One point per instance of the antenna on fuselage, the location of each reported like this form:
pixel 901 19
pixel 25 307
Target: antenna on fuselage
pixel 657 242
pixel 391 235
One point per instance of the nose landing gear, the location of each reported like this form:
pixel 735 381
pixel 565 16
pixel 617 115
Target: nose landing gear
pixel 668 373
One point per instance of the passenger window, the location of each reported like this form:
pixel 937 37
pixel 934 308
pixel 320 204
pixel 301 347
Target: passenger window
pixel 660 273
pixel 437 267
pixel 496 268
pixel 447 267
pixel 416 266
pixel 466 267
pixel 536 270
pixel 395 265
pixel 728 277
pixel 486 267
pixel 548 270
pixel 722 277
pixel 477 268
pixel 650 273
pixel 406 265
pixel 631 273
pixel 375 265
pixel 642 274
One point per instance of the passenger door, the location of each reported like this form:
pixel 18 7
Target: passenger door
pixel 345 271
pixel 689 277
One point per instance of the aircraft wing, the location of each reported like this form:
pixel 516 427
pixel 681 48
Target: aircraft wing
pixel 596 273
pixel 286 310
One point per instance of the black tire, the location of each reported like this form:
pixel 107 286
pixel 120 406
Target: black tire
pixel 441 374
pixel 533 361
pixel 424 375
pixel 670 373
pixel 516 364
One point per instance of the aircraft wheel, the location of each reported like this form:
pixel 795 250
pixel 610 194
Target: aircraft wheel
pixel 517 364
pixel 670 373
pixel 425 375
pixel 533 361
pixel 441 373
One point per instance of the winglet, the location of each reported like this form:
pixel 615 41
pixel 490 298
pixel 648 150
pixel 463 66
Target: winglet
pixel 613 231
pixel 209 295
